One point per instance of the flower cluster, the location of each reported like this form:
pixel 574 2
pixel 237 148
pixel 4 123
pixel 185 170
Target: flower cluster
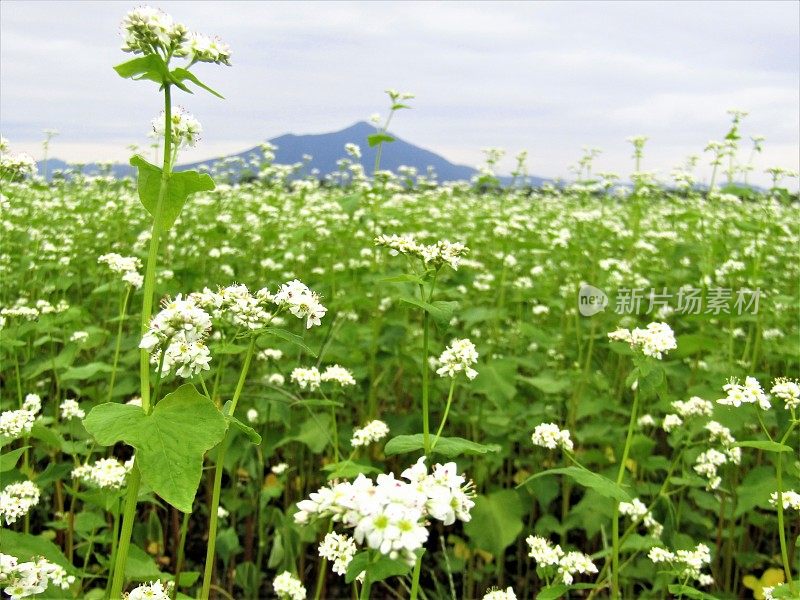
pixel 458 357
pixel 440 253
pixel 339 549
pixel 748 393
pixel 104 473
pixel 372 432
pixel 306 377
pixel 566 564
pixel 390 515
pixel 185 130
pixel 155 590
pixel 288 587
pixel 236 305
pixel 787 390
pixel 655 340
pixel 179 330
pixel 17 166
pixel 636 510
pixel 16 423
pixel 337 374
pixel 549 435
pixel 17 499
pixel 688 564
pixel 199 47
pixel 20 580
pixel 128 266
pixel 790 498
pixel 302 302
pixel 70 409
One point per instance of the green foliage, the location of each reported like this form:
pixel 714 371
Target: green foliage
pixel 496 521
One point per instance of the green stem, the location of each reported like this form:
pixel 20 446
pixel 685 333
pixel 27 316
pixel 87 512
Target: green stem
pixel 415 578
pixel 223 448
pixel 426 434
pixel 781 529
pixel 181 546
pixel 144 366
pixel 446 412
pixel 615 516
pixel 115 362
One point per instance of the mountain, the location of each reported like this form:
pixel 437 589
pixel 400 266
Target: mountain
pixel 326 149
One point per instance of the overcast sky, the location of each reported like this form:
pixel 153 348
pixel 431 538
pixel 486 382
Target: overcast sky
pixel 549 77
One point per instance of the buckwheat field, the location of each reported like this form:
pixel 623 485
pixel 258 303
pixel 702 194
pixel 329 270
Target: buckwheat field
pixel 383 385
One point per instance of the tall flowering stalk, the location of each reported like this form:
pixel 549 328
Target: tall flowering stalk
pixel 153 34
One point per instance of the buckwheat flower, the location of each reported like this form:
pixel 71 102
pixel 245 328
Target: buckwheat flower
pixel 15 423
pixel 748 393
pixel 187 359
pixel 17 166
pixel 17 499
pixel 787 390
pixel 148 30
pixel 372 432
pixel 79 337
pixel 155 590
pixel 572 563
pixel 104 473
pixel 222 513
pixel 646 421
pixel 70 409
pixel 288 587
pixel 309 378
pixel 339 375
pixel 181 319
pixel 279 469
pixel 543 552
pixel 549 435
pixel 339 549
pixel 660 555
pixel 133 278
pixel 300 301
pixel 202 48
pixel 719 433
pixel 353 150
pixel 276 379
pixel 636 510
pixel 497 594
pixel 458 357
pixel 270 354
pixel 127 266
pixel 693 407
pixel 655 340
pixel 184 128
pixel 707 464
pixel 252 415
pixel 790 498
pixel 671 422
pixel 20 580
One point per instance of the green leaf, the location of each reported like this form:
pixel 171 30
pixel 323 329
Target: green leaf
pixel 679 590
pixel 179 186
pixel 449 447
pixel 547 384
pixel 170 441
pixel 8 460
pixel 86 371
pixel 496 521
pixel 151 67
pixel 379 138
pixel 440 311
pixel 404 278
pixel 27 547
pixel 602 485
pixel 289 337
pixel 314 433
pixel 248 431
pixel 556 591
pixel 140 566
pixel 347 469
pixel 765 445
pixel 378 569
pixel 179 75
pixel 357 564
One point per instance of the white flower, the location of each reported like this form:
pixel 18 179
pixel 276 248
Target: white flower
pixel 31 578
pixel 787 390
pixel 252 415
pixel 654 341
pixel 694 406
pixel 70 409
pixel 184 128
pixel 15 423
pixel 79 337
pixel 306 378
pixel 17 499
pixel 748 393
pixel 671 422
pixel 288 587
pixel 33 403
pixel 222 513
pixel 280 468
pixel 372 432
pixel 458 357
pixel 790 498
pixel 549 435
pixel 127 266
pixel 155 590
pixel 441 253
pixel 104 473
pixel 572 563
pixel 339 549
pixel 707 464
pixel 543 552
pixel 299 300
pixel 338 375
